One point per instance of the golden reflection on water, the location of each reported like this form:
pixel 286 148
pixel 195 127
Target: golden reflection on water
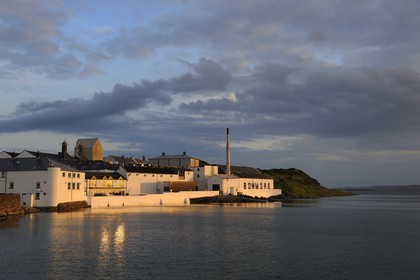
pixel 104 245
pixel 111 247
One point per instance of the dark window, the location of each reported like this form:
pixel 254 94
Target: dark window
pixel 64 174
pixel 38 184
pixel 216 187
pixel 69 175
pixel 78 186
pixel 78 175
pixel 74 186
pixel 68 185
pixel 37 196
pixel 11 185
pixel 244 185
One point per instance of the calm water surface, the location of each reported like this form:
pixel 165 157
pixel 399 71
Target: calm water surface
pixel 369 236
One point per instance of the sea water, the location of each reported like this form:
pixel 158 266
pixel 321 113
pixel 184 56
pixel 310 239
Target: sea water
pixel 369 236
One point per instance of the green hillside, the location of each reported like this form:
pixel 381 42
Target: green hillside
pixel 297 184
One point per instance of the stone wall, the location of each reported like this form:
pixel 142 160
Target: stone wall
pixel 71 206
pixel 10 204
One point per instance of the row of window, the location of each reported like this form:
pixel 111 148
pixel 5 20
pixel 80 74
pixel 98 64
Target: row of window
pixel 69 175
pixel 37 196
pixel 257 186
pixel 73 186
pixel 12 185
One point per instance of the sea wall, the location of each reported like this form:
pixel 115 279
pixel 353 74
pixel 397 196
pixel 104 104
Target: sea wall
pixel 170 198
pixel 10 204
pixel 71 206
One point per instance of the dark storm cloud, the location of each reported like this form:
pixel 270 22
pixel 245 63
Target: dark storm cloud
pixel 106 109
pixel 326 102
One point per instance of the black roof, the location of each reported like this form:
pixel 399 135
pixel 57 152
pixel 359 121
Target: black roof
pixel 95 165
pixel 244 172
pixel 100 175
pixel 150 169
pixel 32 164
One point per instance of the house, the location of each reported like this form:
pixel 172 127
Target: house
pixel 89 149
pixel 41 181
pixel 183 160
pixel 153 180
pixel 105 183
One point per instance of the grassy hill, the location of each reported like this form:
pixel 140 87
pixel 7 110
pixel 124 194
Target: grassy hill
pixel 297 184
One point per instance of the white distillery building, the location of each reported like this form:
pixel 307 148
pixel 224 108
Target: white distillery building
pixel 242 180
pixel 41 181
pixel 155 180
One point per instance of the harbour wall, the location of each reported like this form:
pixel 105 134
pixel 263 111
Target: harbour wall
pixel 10 204
pixel 170 198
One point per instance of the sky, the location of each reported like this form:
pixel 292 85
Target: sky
pixel 329 87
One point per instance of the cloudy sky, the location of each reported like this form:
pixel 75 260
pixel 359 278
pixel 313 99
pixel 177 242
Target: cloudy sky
pixel 329 87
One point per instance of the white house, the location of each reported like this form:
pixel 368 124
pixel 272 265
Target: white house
pixel 153 180
pixel 41 181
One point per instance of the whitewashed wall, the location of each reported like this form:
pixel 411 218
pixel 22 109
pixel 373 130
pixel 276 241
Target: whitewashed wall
pixel 53 187
pixel 178 198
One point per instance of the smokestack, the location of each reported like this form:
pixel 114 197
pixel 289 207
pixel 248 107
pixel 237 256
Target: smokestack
pixel 227 153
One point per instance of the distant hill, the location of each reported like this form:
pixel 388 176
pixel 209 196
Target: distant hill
pixel 295 183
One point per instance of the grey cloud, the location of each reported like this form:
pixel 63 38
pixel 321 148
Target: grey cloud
pixel 32 39
pixel 107 108
pixel 209 75
pixel 335 102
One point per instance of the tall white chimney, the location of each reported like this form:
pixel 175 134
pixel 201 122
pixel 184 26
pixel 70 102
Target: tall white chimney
pixel 227 153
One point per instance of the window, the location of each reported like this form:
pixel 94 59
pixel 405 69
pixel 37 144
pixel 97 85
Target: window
pixel 74 186
pixel 37 196
pixel 244 185
pixel 78 186
pixel 68 186
pixel 38 185
pixel 78 175
pixel 69 175
pixel 74 175
pixel 260 185
pixel 198 175
pixel 11 185
pixel 268 185
pixel 64 174
pixel 265 185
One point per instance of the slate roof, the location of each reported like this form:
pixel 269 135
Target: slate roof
pixel 32 164
pixel 151 170
pixel 88 142
pixel 244 172
pixel 100 175
pixel 95 165
pixel 164 156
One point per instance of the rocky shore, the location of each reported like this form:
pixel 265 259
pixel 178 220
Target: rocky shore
pixel 226 199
